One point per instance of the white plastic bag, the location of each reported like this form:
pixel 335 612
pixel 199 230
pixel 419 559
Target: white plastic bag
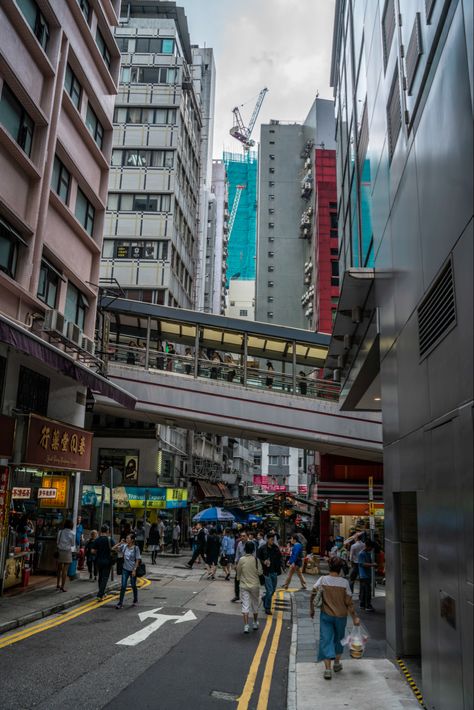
pixel 356 638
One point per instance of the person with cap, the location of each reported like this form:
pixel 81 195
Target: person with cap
pixel 271 559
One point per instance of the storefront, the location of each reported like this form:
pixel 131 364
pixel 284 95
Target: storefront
pixel 130 504
pixel 345 517
pixel 43 491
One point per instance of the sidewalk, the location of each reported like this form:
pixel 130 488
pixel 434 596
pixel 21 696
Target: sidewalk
pixel 370 683
pixel 18 609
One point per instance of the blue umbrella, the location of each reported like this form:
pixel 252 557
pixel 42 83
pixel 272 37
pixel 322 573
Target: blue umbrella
pixel 214 515
pixel 254 518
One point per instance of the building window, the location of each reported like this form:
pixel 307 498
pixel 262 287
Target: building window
pixel 271 170
pixel 271 210
pixel 33 392
pixel 333 217
pixel 334 273
pixel 333 206
pixel 85 212
pixel 154 45
pixel 334 252
pixel 139 203
pixel 145 115
pixel 149 75
pixel 270 284
pixel 271 254
pixel 103 49
pixel 285 460
pixel 143 158
pixel 136 249
pixel 388 28
pixel 85 9
pixel 94 126
pixel 16 120
pixel 269 314
pixel 333 234
pixel 76 306
pixel 148 296
pixel 271 225
pixel 61 180
pixel 272 157
pixel 48 285
pixel 73 87
pixel 243 312
pixel 272 142
pixel 8 248
pixel 271 269
pixel 36 21
pixel 394 114
pixel 122 43
pixel 270 299
pixel 271 197
pixel 271 239
pixel 273 460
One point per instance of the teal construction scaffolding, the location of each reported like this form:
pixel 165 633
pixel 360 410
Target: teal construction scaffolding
pixel 242 250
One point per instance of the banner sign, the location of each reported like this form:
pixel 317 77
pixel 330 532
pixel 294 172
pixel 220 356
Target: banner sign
pixel 134 497
pixel 59 484
pixel 47 493
pixel 4 501
pixel 55 445
pixel 21 493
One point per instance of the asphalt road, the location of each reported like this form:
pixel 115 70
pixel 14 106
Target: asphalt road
pixel 198 662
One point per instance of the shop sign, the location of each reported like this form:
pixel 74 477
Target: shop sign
pixel 302 489
pixel 52 444
pixel 176 497
pixel 47 493
pixel 7 435
pixel 19 493
pixel 4 501
pixel 60 485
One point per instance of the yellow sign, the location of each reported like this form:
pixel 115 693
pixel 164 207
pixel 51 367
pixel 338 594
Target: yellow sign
pixel 177 494
pixel 60 483
pixel 150 504
pixel 371 508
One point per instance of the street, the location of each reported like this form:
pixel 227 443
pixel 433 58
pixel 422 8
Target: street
pixel 103 657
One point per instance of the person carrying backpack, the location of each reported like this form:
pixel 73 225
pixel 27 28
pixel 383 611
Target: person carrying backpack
pixel 131 560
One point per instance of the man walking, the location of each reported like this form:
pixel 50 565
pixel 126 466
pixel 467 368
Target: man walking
pixel 175 538
pixel 239 552
pixel 295 562
pixel 356 547
pixel 161 532
pixel 365 576
pixel 101 550
pixel 200 545
pixel 270 557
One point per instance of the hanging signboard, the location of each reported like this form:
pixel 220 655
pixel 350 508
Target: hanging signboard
pixel 21 493
pixel 58 484
pixel 4 501
pixel 54 445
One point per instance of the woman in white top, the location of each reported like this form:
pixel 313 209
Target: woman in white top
pixel 131 560
pixel 66 542
pixel 336 605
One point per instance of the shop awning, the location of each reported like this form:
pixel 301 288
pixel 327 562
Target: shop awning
pixel 21 339
pixel 226 494
pixel 206 489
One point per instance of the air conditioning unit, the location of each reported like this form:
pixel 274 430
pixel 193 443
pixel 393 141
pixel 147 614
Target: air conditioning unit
pixel 53 322
pixel 74 333
pixel 88 345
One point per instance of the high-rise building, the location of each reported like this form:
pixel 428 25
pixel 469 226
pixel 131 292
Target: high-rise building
pixel 161 158
pixel 242 177
pixel 58 69
pixel 216 241
pixel 294 205
pixel 403 335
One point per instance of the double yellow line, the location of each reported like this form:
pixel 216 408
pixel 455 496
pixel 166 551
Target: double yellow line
pixel 54 621
pixel 249 686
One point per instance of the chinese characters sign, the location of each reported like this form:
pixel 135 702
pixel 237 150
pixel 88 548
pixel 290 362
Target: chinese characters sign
pixel 267 484
pixel 56 445
pixel 58 484
pixel 4 501
pixel 21 493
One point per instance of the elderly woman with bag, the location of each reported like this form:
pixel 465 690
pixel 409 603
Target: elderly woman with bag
pixel 332 594
pixel 250 576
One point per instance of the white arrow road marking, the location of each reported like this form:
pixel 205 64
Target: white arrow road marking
pixel 160 619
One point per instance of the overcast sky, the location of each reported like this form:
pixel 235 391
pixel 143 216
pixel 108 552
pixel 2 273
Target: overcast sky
pixel 282 44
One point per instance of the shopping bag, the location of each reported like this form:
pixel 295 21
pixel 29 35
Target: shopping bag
pixel 356 638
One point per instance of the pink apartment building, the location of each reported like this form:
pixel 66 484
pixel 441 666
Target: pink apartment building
pixel 59 66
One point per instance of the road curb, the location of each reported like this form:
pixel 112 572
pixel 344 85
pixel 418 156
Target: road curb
pixel 291 693
pixel 54 609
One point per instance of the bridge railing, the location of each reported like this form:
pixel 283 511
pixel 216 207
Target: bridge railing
pixel 228 369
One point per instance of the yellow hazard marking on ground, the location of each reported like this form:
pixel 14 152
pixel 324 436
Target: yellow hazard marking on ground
pixel 411 682
pixel 53 621
pixel 268 672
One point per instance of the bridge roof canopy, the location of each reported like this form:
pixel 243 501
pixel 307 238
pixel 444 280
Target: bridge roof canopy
pixel 220 333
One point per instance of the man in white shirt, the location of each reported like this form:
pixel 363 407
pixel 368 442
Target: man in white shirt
pixel 357 546
pixel 175 538
pixel 161 531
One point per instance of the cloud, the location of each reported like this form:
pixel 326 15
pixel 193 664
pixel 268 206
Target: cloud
pixel 282 44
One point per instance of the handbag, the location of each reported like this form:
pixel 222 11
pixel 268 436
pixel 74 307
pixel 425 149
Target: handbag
pixel 318 600
pixel 223 561
pixel 261 577
pixel 141 570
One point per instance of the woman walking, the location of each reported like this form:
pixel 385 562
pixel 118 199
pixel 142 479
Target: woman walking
pixel 248 574
pixel 336 605
pixel 131 560
pixel 213 546
pixel 154 542
pixel 66 542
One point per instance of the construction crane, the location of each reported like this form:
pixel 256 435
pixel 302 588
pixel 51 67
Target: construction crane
pixel 241 132
pixel 235 207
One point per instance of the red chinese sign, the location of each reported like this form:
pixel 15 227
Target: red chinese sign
pixel 267 484
pixel 55 445
pixel 302 489
pixel 4 501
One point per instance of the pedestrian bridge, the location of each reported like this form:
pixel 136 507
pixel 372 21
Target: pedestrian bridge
pixel 229 376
